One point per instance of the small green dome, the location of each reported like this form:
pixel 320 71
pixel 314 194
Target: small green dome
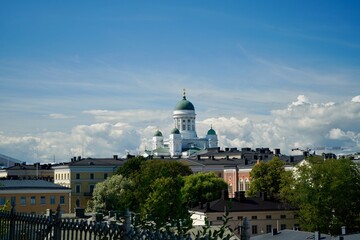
pixel 175 131
pixel 211 132
pixel 158 134
pixel 184 105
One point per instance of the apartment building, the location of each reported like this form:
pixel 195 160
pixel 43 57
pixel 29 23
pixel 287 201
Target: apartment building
pixel 82 174
pixel 34 196
pixel 262 214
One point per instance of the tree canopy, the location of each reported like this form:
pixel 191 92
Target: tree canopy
pixel 326 193
pixel 202 187
pixel 266 177
pixel 131 166
pixel 111 194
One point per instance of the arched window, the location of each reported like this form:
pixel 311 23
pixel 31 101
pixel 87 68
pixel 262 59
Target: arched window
pixel 241 185
pixel 247 184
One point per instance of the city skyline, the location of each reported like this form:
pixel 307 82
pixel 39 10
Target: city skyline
pixel 99 78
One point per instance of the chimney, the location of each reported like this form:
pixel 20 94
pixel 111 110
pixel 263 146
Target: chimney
pixel 115 157
pixel 343 230
pixel 79 158
pixel 264 197
pixel 317 235
pixel 224 194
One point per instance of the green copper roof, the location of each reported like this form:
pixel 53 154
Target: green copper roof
pixel 184 105
pixel 158 134
pixel 211 132
pixel 175 131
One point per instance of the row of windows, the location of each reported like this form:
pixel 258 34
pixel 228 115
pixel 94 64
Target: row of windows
pixel 254 228
pixel 64 176
pixel 32 200
pixel 268 217
pixel 253 217
pixel 78 188
pixel 91 176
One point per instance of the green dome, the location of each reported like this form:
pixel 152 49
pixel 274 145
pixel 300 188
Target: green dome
pixel 211 132
pixel 175 131
pixel 158 134
pixel 184 105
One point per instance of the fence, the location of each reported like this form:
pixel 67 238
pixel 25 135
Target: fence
pixel 23 226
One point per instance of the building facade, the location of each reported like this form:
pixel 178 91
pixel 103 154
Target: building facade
pixel 81 175
pixel 263 215
pixel 34 196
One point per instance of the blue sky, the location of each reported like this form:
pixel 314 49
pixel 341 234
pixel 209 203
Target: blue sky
pixel 103 75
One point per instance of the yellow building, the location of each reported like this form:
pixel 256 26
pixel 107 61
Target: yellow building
pixel 81 175
pixel 34 196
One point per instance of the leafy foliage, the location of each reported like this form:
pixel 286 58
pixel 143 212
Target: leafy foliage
pixel 111 194
pixel 326 193
pixel 131 166
pixel 266 177
pixel 164 203
pixel 202 187
pixel 150 171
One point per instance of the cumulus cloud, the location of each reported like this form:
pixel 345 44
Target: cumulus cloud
pixel 302 124
pixel 356 99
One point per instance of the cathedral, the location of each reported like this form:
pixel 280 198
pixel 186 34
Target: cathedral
pixel 183 140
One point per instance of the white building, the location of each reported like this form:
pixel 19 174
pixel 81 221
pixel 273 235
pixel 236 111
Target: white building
pixel 183 139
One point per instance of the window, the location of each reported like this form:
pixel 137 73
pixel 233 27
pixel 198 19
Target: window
pixel 247 184
pixel 282 216
pixel 42 200
pixel 240 218
pixel 2 200
pixel 62 200
pixel 91 188
pixel 254 229
pixel 52 199
pixel 91 176
pixel 77 202
pixel 105 175
pixel 268 216
pixel 32 200
pixel 77 188
pixel 241 183
pixel 78 176
pixel 12 200
pixel 268 228
pixel 282 226
pixel 219 218
pixel 253 217
pixel 22 200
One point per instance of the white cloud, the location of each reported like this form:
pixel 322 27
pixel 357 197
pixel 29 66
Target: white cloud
pixel 59 116
pixel 356 99
pixel 302 125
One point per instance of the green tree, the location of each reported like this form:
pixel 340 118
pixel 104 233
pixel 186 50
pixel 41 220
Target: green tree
pixel 112 194
pixel 150 171
pixel 164 203
pixel 266 177
pixel 326 192
pixel 202 187
pixel 131 166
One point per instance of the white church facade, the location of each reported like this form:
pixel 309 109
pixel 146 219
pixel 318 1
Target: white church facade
pixel 183 139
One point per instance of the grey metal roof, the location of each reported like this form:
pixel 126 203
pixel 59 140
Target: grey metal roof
pixel 26 184
pixel 246 205
pixel 94 162
pixel 288 234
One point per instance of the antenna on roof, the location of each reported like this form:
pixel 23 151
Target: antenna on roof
pixel 184 93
